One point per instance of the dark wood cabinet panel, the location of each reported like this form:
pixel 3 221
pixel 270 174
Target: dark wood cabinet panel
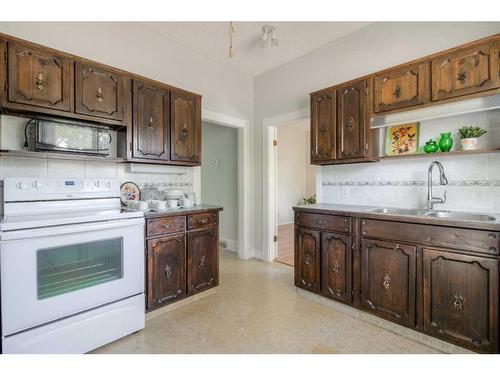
pixel 166 270
pixel 323 119
pixel 151 127
pixel 351 121
pixel 324 222
pixel 336 261
pixel 466 71
pixel 203 220
pixel 388 280
pixel 402 88
pixel 98 92
pixel 165 225
pixel 461 299
pixel 307 259
pixel 185 128
pixel 39 78
pixel 202 260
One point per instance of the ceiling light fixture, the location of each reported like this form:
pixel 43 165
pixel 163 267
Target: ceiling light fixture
pixel 269 32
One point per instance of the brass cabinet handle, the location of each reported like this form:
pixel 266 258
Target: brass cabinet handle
pixel 168 271
pixel 307 259
pixel 397 91
pixel 322 129
pixel 185 130
pixel 336 268
pixel 350 122
pixel 321 221
pixel 167 226
pixel 387 281
pixel 151 123
pixel 492 235
pixel 99 94
pixel 40 81
pixel 458 301
pixel 462 77
pixel 203 221
pixel 202 262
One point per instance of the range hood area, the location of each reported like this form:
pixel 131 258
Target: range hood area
pixel 482 104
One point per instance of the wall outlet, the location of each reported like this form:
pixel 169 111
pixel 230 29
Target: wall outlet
pixel 344 192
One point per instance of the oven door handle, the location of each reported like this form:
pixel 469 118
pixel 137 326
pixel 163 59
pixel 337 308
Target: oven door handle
pixel 69 229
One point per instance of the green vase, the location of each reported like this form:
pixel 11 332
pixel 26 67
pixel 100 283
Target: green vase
pixel 446 142
pixel 431 146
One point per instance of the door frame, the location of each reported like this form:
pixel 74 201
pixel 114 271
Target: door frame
pixel 242 126
pixel 269 185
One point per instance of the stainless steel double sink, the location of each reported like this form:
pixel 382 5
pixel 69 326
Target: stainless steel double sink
pixel 450 215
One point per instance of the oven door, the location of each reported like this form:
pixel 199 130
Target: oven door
pixel 56 272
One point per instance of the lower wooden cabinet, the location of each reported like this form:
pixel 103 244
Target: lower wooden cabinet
pixel 336 265
pixel 461 299
pixel 307 259
pixel 166 269
pixel 202 260
pixel 181 260
pixel 388 280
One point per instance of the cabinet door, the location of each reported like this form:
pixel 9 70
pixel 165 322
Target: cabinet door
pixel 203 260
pixel 307 259
pixel 39 78
pixel 466 71
pixel 166 270
pixel 150 129
pixel 402 88
pixel 461 299
pixel 351 121
pixel 323 117
pixel 388 280
pixel 98 92
pixel 336 256
pixel 185 128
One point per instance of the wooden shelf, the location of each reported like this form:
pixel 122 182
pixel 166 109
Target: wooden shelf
pixel 59 156
pixel 442 154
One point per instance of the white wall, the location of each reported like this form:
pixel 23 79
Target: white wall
pixel 293 171
pixel 378 46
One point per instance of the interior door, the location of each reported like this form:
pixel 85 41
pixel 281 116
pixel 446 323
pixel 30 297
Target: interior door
pixel 388 280
pixel 151 118
pixel 47 277
pixel 461 299
pixel 351 121
pixel 323 119
pixel 98 92
pixel 39 78
pixel 202 260
pixel 166 269
pixel 185 128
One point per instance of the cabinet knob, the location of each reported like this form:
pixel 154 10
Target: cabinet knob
pixel 168 271
pixel 40 81
pixel 492 249
pixel 458 301
pixel 336 268
pixel 387 281
pixel 321 221
pixel 99 94
pixel 151 123
pixel 492 235
pixel 462 77
pixel 203 221
pixel 167 226
pixel 322 129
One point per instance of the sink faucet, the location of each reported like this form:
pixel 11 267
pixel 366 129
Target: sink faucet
pixel 431 201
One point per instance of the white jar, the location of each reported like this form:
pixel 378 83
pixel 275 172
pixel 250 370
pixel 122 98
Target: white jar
pixel 469 144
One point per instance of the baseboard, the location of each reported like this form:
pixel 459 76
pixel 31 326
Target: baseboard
pixel 231 245
pixel 288 222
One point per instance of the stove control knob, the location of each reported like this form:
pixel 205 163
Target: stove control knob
pixel 108 184
pixel 21 185
pixel 97 183
pixel 36 184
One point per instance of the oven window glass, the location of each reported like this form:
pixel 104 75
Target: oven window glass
pixel 68 268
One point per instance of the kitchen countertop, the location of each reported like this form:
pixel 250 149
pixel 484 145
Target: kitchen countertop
pixel 180 211
pixel 366 212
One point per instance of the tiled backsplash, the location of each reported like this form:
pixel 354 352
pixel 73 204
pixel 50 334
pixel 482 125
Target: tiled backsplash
pixel 474 183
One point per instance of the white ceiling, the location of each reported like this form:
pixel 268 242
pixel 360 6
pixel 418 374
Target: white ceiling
pixel 211 39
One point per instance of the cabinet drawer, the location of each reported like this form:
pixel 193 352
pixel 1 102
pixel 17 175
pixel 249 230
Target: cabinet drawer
pixel 166 225
pixel 455 238
pixel 204 220
pixel 328 222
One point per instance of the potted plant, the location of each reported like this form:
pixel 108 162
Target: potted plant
pixel 470 137
pixel 308 200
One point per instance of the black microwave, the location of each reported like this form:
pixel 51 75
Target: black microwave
pixel 69 137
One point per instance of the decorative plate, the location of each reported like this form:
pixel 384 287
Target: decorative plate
pixel 129 192
pixel 402 139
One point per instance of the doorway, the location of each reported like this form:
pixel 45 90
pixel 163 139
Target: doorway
pixel 219 178
pixel 294 181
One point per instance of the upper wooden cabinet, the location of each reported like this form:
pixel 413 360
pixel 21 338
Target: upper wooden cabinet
pixel 151 122
pixel 403 87
pixel 98 92
pixel 185 127
pixel 466 71
pixel 323 120
pixel 351 121
pixel 39 78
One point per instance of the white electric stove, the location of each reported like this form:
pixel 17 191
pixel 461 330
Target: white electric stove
pixel 71 265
